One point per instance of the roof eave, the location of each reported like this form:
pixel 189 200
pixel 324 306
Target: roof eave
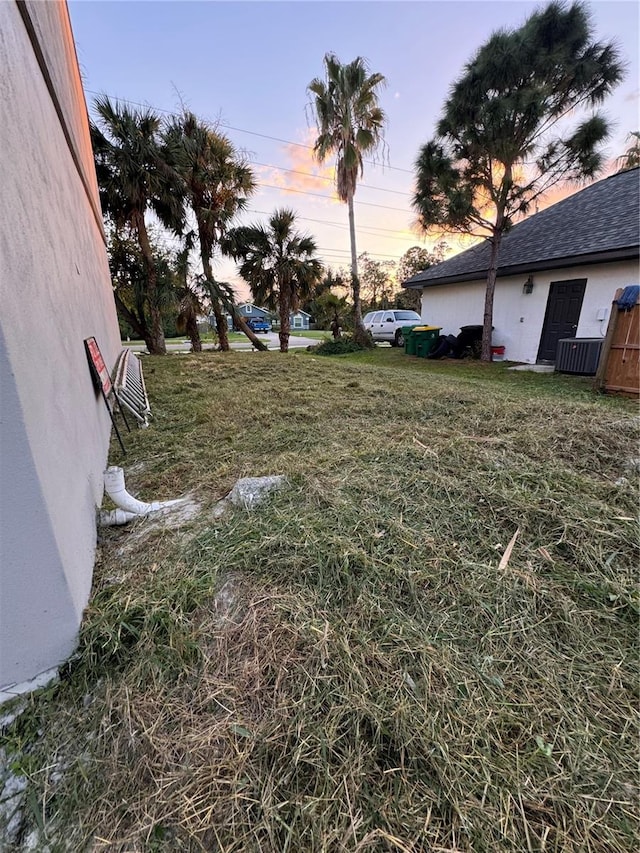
pixel 624 254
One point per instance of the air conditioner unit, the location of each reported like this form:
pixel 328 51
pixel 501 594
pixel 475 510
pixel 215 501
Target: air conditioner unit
pixel 578 355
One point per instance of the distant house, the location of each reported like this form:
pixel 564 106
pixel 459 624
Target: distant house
pixel 245 309
pixel 559 271
pixel 299 320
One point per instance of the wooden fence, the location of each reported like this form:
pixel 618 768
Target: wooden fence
pixel 619 366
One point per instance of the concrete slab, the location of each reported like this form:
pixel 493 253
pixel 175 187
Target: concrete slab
pixel 534 368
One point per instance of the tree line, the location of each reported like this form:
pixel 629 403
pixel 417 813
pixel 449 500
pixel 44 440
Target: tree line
pixel 507 134
pixel 181 177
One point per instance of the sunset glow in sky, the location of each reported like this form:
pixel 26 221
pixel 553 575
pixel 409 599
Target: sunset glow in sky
pixel 246 65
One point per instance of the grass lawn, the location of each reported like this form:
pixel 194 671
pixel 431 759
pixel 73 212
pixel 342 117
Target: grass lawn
pixel 318 335
pixel 426 642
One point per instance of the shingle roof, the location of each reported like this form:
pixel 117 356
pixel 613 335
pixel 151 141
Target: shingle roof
pixel 596 224
pixel 252 306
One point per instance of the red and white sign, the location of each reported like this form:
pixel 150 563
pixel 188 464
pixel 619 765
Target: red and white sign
pixel 99 368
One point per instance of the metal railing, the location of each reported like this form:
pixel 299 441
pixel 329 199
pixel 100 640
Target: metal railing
pixel 129 388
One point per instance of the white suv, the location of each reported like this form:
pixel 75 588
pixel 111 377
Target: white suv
pixel 387 325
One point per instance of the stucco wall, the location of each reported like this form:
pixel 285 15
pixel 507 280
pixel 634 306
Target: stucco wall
pixel 518 317
pixel 55 291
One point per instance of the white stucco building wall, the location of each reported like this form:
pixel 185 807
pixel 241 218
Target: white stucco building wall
pixel 518 317
pixel 55 291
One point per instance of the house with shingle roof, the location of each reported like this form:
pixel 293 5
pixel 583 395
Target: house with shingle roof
pixel 297 319
pixel 558 274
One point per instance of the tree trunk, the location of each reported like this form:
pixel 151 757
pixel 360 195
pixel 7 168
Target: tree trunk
pixel 360 334
pixel 194 334
pixel 487 327
pixel 187 320
pixel 335 325
pixel 352 237
pixel 284 306
pixel 139 327
pixel 222 326
pixel 492 272
pixel 241 323
pixel 156 344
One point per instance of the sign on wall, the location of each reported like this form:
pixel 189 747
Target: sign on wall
pixel 99 371
pixel 101 379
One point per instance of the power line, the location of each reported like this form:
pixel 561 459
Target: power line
pixel 238 129
pixel 348 253
pixel 282 168
pixel 302 145
pixel 165 242
pixel 414 240
pixel 320 195
pixel 372 229
pixel 325 178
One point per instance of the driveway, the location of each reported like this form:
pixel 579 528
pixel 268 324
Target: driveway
pixel 271 339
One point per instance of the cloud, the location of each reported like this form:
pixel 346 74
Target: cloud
pixel 301 172
pixel 432 237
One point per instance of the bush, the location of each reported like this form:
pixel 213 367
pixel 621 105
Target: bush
pixel 338 346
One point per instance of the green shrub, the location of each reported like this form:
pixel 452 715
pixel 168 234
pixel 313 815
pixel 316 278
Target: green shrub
pixel 338 346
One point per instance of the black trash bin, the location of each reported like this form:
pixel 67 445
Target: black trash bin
pixel 470 337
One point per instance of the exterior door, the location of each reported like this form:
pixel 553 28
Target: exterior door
pixel 562 316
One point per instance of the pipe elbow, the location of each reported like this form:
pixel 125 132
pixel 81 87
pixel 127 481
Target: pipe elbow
pixel 133 508
pixel 115 488
pixel 115 517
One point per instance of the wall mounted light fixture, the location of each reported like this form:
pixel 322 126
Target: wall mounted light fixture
pixel 527 287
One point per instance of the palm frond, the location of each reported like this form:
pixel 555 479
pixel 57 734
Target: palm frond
pixel 277 262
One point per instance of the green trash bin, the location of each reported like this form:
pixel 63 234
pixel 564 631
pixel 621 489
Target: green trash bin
pixel 409 340
pixel 426 338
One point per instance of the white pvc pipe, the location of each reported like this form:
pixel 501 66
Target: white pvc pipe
pixel 115 488
pixel 115 517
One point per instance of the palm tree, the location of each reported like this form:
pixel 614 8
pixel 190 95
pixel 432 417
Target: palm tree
pixel 333 307
pixel 350 124
pixel 190 302
pixel 514 126
pixel 217 184
pixel 130 282
pixel 133 179
pixel 278 263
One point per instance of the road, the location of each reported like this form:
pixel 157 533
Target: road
pixel 271 339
